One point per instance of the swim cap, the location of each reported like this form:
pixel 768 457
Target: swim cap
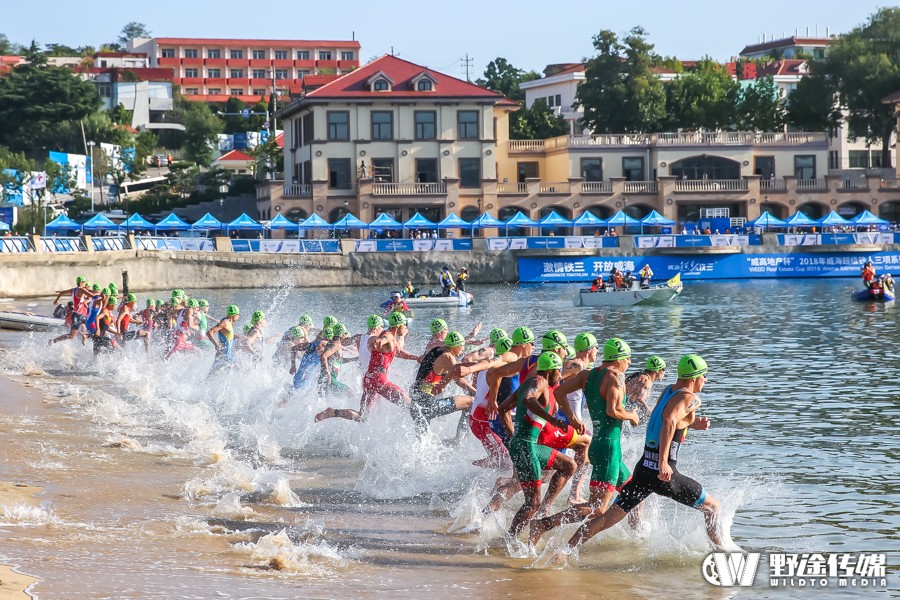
pixel 503 345
pixel 113 286
pixel 130 298
pixel 247 328
pixel 570 352
pixel 497 334
pixel 522 336
pixel 329 321
pixel 438 325
pixel 585 341
pixel 616 349
pixel 305 320
pixel 79 280
pixel 395 319
pixel 297 332
pixel 327 333
pixel 549 361
pixel 151 303
pixel 454 339
pixel 256 317
pixel 193 303
pixel 553 339
pixel 655 363
pixel 232 310
pixel 339 330
pixel 112 301
pixel 105 292
pixel 204 303
pixel 374 321
pixel 691 366
pixel 95 287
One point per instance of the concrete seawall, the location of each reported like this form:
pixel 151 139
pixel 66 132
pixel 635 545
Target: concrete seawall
pixel 41 274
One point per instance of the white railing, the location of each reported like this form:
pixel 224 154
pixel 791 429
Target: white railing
pixel 858 183
pixel 596 187
pixel 262 192
pixel 812 184
pixel 710 185
pixel 625 139
pixel 526 145
pixel 641 187
pixel 739 138
pixel 560 187
pixel 408 189
pixel 770 185
pixel 512 188
pixel 297 190
pixel 890 184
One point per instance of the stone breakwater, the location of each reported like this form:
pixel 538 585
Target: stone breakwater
pixel 41 274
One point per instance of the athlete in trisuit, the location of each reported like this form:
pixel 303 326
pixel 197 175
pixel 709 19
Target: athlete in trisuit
pixel 439 330
pixel 126 318
pixel 581 357
pixel 604 389
pixel 222 338
pixel 331 356
pixel 82 297
pixel 383 349
pixel 656 472
pixel 498 456
pixel 638 385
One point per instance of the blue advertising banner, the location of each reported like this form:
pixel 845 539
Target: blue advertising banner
pixel 726 266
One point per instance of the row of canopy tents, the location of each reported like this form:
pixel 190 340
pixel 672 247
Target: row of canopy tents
pixel 207 222
pixel 832 219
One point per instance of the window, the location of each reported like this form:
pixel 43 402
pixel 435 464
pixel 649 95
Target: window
pixel 558 100
pixel 237 91
pixel 764 166
pixel 381 85
pixel 236 74
pixel 633 168
pixel 875 160
pixel 308 129
pixel 236 54
pixel 105 90
pixel 424 85
pixel 426 124
pixel 303 73
pixel 281 73
pixel 324 54
pixel 805 166
pixel 259 55
pixel 191 53
pixel 592 169
pixel 260 73
pixel 339 173
pixel 259 91
pixel 383 170
pixel 192 73
pixel 470 172
pixel 527 170
pixel 833 159
pixel 550 101
pixel 214 91
pixel 302 54
pixel 191 91
pixel 281 54
pixel 214 73
pixel 338 125
pixel 382 125
pixel 859 159
pixel 467 124
pixel 214 53
pixel 168 53
pixel 426 170
pixel 346 55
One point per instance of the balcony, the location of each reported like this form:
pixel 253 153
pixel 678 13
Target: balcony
pixel 282 63
pixel 512 188
pixel 297 190
pixel 306 63
pixel 773 185
pixel 890 184
pixel 260 83
pixel 855 184
pixel 713 138
pixel 812 185
pixel 260 63
pixel 526 145
pixel 561 187
pixel 215 81
pixel 169 61
pixel 191 81
pixel 348 64
pixel 239 62
pixel 237 81
pixel 326 64
pixel 214 62
pixel 597 187
pixel 642 187
pixel 711 185
pixel 408 189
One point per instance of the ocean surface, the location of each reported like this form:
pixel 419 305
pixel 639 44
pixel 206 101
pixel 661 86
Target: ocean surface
pixel 803 396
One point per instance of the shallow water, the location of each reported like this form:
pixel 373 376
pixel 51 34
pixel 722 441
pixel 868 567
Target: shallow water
pixel 802 395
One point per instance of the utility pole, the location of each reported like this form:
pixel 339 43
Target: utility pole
pixel 467 63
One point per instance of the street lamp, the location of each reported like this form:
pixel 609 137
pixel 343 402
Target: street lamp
pixel 91 145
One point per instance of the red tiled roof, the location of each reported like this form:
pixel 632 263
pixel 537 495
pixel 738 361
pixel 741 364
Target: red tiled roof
pixel 562 69
pixel 353 84
pixel 781 67
pixel 259 43
pixel 279 140
pixel 234 156
pixel 786 43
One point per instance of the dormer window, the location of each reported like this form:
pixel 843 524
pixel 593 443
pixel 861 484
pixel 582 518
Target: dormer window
pixel 424 85
pixel 423 82
pixel 381 85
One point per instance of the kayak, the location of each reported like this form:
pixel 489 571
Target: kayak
pixel 873 295
pixel 656 294
pixel 26 322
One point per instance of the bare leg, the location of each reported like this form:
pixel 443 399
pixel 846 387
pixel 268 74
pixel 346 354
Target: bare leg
pixel 529 507
pixel 504 489
pixel 599 502
pixel 339 413
pixel 711 513
pixel 597 524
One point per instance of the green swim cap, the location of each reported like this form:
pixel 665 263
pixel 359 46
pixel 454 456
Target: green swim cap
pixel 497 334
pixel 95 287
pixel 151 303
pixel 522 336
pixel 437 326
pixel 395 319
pixel 247 328
pixel 553 339
pixel 204 303
pixel 570 352
pixel 297 332
pixel 106 292
pixel 257 316
pixel 130 298
pixel 327 333
pixel 691 366
pixel 79 280
pixel 112 301
pixel 113 286
pixel 655 363
pixel 454 339
pixel 305 320
pixel 329 321
pixel 193 303
pixel 585 341
pixel 232 310
pixel 616 349
pixel 374 321
pixel 503 345
pixel 339 330
pixel 549 361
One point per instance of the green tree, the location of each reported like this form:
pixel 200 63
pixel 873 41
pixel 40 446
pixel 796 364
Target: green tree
pixel 864 67
pixel 702 98
pixel 760 106
pixel 8 48
pixel 502 77
pixel 621 93
pixel 812 105
pixel 132 30
pixel 201 132
pixel 234 121
pixel 269 158
pixel 536 123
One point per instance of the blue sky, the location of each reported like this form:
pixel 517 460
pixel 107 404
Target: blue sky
pixel 528 33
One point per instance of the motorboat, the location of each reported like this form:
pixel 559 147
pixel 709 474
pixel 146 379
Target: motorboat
pixel 29 322
pixel 874 294
pixel 425 300
pixel 636 294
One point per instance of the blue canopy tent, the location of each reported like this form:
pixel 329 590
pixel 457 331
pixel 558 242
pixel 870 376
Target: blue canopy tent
pixel 654 219
pixel 519 220
pixel 486 220
pixel 349 221
pixel 135 222
pixel 799 219
pixel 588 219
pixel 385 221
pixel 244 223
pixel 833 219
pixel 554 219
pixel 281 222
pixel 765 220
pixel 314 221
pixel 4 226
pixel 620 219
pixel 62 223
pixel 452 221
pixel 172 223
pixel 98 222
pixel 207 222
pixel 867 218
pixel 418 221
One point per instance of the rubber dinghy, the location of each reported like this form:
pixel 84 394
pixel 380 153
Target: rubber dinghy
pixel 873 295
pixel 27 322
pixel 420 301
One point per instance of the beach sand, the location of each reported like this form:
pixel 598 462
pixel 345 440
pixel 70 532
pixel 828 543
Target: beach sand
pixel 13 585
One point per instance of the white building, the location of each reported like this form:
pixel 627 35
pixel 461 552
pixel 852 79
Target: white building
pixel 557 89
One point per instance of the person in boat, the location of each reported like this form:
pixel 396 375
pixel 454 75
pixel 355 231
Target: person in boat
pixel 868 274
pixel 461 279
pixel 397 304
pixel 628 279
pixel 598 285
pixel 408 290
pixel 645 275
pixel 615 276
pixel 446 281
pixel 887 282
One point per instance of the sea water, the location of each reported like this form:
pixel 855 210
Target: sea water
pixel 802 396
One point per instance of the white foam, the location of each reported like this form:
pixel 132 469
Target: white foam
pixel 277 551
pixel 26 515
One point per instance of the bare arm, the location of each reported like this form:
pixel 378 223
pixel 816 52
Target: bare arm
pixel 210 334
pixel 672 414
pixel 615 392
pixel 494 378
pixel 572 384
pixel 533 403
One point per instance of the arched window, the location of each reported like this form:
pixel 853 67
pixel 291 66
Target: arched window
pixel 381 85
pixel 890 211
pixel 706 167
pixel 424 85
